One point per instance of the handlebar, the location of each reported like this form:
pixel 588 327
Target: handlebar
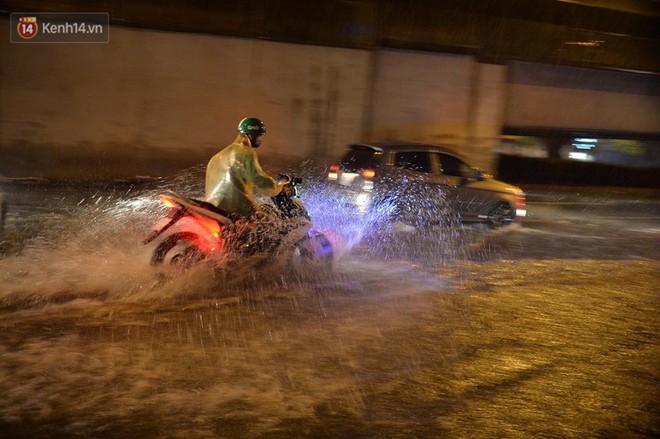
pixel 283 179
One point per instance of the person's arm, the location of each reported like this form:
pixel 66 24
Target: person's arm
pixel 262 181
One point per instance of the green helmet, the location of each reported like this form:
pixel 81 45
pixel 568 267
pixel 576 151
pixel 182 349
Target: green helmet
pixel 251 125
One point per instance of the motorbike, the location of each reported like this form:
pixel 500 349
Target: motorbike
pixel 195 230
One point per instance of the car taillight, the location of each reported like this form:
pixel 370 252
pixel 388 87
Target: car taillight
pixel 368 173
pixel 332 172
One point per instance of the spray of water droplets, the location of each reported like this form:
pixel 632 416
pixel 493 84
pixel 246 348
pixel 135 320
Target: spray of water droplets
pixel 91 248
pixel 411 220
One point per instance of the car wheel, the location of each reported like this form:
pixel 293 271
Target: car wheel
pixel 501 215
pixel 314 252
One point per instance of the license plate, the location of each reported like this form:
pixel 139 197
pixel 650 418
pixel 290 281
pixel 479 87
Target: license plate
pixel 347 178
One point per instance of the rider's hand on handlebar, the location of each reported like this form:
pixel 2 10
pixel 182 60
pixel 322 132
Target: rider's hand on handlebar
pixel 285 181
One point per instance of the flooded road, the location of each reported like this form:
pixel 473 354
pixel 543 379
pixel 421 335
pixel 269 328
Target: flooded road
pixel 545 330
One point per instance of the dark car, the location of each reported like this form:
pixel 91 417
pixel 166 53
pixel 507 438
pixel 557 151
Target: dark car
pixel 368 173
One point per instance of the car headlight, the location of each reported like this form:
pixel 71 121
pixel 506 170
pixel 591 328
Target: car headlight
pixel 521 203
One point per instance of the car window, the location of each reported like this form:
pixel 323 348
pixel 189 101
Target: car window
pixel 419 161
pixel 358 158
pixel 453 166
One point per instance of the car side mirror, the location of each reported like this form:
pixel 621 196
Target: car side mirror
pixel 475 174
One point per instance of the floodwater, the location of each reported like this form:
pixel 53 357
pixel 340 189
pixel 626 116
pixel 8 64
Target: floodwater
pixel 545 330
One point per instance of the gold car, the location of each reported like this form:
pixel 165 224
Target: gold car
pixel 369 173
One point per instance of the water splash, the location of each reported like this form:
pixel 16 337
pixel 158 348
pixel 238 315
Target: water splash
pixel 100 343
pixel 413 220
pixel 90 249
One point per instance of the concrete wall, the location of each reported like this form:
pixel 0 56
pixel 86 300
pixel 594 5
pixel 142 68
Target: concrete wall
pixel 439 98
pixel 421 96
pixel 152 103
pixel 484 127
pixel 149 102
pixel 570 97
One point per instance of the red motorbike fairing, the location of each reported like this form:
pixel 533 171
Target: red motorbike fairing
pixel 192 230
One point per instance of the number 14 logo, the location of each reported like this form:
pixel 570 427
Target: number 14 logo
pixel 27 27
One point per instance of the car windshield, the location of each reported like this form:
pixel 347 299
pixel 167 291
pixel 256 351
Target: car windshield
pixel 357 158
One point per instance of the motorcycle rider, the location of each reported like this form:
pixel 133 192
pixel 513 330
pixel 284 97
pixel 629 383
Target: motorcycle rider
pixel 233 173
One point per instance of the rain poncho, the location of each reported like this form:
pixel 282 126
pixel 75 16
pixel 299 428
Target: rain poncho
pixel 232 174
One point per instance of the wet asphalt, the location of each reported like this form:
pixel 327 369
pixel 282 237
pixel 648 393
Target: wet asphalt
pixel 547 329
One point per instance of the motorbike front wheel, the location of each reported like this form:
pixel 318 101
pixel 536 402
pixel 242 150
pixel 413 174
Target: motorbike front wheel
pixel 178 250
pixel 313 252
